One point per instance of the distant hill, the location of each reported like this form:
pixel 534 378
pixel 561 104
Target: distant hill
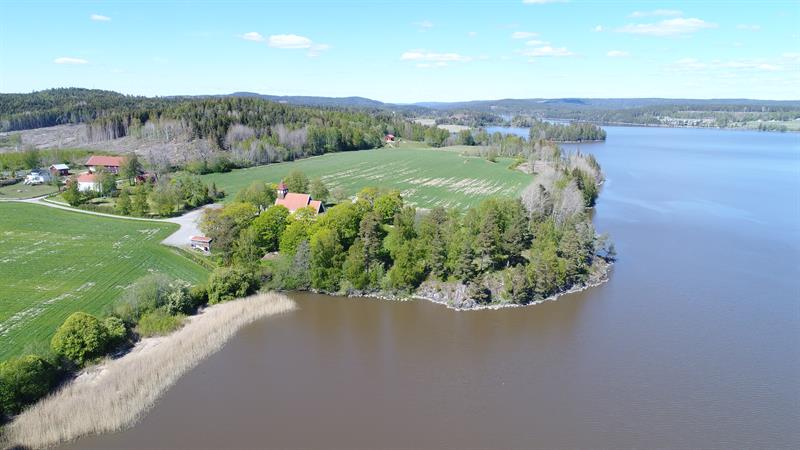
pixel 339 102
pixel 521 105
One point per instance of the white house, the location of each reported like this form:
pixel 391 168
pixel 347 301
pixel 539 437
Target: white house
pixel 88 182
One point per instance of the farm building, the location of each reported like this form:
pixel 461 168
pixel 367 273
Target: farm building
pixel 294 201
pixel 201 243
pixel 388 138
pixel 88 182
pixel 38 176
pixel 59 170
pixel 107 163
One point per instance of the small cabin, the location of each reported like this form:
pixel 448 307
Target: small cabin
pixel 59 170
pixel 202 243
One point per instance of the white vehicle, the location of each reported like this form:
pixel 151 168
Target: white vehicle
pixel 37 176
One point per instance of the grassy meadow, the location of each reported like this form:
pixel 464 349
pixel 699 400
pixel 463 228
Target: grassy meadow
pixel 54 262
pixel 22 191
pixel 426 177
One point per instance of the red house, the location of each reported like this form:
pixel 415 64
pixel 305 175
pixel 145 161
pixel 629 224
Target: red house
pixel 294 201
pixel 107 163
pixel 388 138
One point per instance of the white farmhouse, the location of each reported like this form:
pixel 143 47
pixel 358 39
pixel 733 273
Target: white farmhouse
pixel 88 182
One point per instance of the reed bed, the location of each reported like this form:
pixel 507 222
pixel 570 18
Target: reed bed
pixel 116 394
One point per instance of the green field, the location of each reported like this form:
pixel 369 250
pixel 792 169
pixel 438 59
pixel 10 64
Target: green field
pixel 54 262
pixel 20 191
pixel 426 177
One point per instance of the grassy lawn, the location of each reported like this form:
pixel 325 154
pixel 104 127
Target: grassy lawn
pixel 19 191
pixel 426 177
pixel 55 262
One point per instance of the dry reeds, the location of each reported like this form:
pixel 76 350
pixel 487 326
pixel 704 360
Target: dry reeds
pixel 122 390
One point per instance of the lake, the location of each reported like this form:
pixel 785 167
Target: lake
pixel 692 343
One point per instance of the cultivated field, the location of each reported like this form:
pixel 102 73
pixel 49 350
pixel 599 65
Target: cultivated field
pixel 55 262
pixel 426 177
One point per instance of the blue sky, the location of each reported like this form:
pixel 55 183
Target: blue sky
pixel 406 51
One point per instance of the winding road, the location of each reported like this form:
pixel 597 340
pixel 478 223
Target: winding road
pixel 189 223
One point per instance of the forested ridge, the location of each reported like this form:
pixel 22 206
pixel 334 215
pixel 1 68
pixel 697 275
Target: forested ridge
pixel 215 119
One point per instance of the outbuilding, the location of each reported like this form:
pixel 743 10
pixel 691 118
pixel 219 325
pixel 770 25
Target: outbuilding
pixel 202 243
pixel 61 170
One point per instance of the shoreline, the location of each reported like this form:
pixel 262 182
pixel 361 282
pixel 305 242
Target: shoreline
pixel 115 394
pixel 601 278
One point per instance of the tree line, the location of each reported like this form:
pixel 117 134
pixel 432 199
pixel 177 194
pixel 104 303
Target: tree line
pixel 502 251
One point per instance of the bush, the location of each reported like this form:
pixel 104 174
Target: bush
pixel 158 323
pixel 179 301
pixel 117 331
pixel 228 283
pixel 81 338
pixel 199 295
pixel 145 295
pixel 24 380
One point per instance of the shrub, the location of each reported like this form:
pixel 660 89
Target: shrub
pixel 146 294
pixel 24 380
pixel 117 331
pixel 228 283
pixel 81 338
pixel 158 323
pixel 179 301
pixel 199 295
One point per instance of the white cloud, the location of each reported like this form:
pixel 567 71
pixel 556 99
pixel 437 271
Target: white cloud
pixel 657 12
pixel 66 60
pixel 99 18
pixel 618 54
pixel 542 2
pixel 253 36
pixel 792 56
pixel 472 33
pixel 423 25
pixel 426 56
pixel 748 27
pixel 598 29
pixel 290 41
pixel 534 43
pixel 316 49
pixel 547 51
pixel 669 27
pixel 523 35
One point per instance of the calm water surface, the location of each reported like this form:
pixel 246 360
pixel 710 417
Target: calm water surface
pixel 693 342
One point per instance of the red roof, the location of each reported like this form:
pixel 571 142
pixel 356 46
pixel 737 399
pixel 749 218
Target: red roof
pixel 294 201
pixel 316 205
pixel 201 239
pixel 105 161
pixel 87 178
